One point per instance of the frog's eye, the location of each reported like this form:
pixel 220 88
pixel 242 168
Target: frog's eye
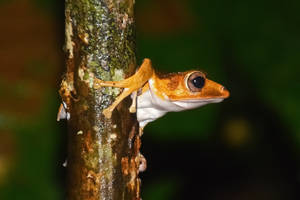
pixel 196 81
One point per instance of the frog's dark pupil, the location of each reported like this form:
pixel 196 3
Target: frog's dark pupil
pixel 198 82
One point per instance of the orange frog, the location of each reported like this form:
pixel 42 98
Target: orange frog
pixel 154 95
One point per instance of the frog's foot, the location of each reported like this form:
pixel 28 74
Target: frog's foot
pixel 98 83
pixel 107 112
pixel 143 163
pixel 132 108
pixel 141 131
pixel 62 112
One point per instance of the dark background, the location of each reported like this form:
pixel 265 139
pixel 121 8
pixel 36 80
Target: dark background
pixel 246 147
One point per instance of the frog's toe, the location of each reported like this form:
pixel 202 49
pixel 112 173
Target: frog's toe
pixel 107 113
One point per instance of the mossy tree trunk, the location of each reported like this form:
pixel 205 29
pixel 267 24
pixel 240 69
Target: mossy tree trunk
pixel 103 154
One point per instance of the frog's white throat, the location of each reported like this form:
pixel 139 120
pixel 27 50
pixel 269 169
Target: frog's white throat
pixel 150 106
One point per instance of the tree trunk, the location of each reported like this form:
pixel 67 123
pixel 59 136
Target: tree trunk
pixel 103 154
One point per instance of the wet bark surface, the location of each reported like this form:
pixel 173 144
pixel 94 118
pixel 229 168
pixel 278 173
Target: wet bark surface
pixel 103 154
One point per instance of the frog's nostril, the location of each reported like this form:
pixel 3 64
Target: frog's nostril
pixel 225 92
pixel 223 88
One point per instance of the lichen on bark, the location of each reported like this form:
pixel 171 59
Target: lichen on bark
pixel 100 42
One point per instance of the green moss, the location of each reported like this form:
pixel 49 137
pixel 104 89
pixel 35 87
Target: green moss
pixel 86 76
pixel 107 40
pixel 101 50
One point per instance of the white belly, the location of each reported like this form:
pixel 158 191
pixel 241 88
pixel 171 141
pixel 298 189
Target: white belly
pixel 150 107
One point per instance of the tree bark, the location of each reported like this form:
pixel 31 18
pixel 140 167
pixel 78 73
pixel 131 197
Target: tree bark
pixel 103 154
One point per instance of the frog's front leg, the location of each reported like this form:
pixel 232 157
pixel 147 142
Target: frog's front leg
pixel 108 111
pixel 126 92
pixel 130 85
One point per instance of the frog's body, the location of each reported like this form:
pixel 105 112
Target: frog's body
pixel 152 104
pixel 153 96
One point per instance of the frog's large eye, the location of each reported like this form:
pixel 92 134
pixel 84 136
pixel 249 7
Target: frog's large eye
pixel 196 81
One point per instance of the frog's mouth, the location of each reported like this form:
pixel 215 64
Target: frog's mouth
pixel 194 103
pixel 208 100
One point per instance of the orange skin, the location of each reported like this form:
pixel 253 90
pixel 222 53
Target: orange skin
pixel 171 87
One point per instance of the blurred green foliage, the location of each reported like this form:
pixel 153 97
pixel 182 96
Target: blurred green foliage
pixel 265 40
pixel 161 189
pixel 32 175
